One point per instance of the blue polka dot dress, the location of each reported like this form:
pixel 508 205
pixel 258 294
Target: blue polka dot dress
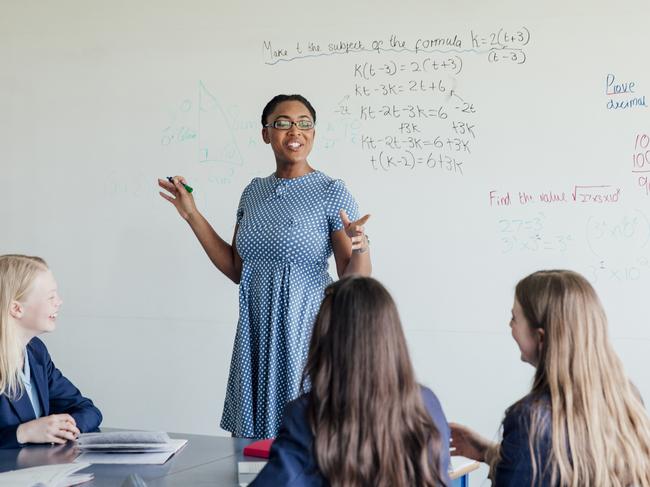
pixel 284 241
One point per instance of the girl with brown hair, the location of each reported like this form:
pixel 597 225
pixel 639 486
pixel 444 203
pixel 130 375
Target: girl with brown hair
pixel 365 421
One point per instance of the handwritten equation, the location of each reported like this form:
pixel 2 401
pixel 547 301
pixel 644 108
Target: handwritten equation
pixel 579 194
pixel 499 45
pixel 620 245
pixel 532 234
pixel 641 162
pixel 614 247
pixel 406 104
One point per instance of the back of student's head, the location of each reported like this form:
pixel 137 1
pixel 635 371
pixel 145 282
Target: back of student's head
pixel 600 430
pixel 366 409
pixel 17 273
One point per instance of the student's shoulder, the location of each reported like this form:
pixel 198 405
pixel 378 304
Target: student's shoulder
pixel 295 421
pixel 532 407
pixel 37 347
pixel 534 402
pixel 434 408
pixel 429 398
pixel 297 409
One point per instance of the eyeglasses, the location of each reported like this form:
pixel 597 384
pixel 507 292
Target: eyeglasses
pixel 284 124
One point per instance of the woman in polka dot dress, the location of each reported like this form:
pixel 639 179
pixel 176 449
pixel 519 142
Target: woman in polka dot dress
pixel 288 225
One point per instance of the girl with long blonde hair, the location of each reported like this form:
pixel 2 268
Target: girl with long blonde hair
pixel 37 403
pixel 583 424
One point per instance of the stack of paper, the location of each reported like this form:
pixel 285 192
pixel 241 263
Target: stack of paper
pixel 247 471
pixel 61 475
pixel 131 447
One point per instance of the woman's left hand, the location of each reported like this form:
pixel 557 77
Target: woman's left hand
pixel 355 231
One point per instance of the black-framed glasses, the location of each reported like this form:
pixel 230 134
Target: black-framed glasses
pixel 284 124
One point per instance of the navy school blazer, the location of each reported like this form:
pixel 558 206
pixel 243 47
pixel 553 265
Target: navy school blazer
pixel 292 463
pixel 57 396
pixel 515 468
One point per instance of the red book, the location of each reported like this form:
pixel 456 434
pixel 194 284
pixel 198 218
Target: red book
pixel 259 448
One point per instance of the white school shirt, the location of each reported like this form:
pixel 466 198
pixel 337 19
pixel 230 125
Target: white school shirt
pixel 26 378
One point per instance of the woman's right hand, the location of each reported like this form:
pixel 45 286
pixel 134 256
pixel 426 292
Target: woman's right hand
pixel 55 428
pixel 180 198
pixel 468 443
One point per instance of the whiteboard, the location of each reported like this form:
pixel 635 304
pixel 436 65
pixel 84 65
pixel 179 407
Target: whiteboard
pixel 486 140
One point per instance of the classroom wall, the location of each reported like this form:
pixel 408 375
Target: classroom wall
pixel 487 140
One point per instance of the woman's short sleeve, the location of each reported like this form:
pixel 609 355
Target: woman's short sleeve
pixel 339 198
pixel 242 202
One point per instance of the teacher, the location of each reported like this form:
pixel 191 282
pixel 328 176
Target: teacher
pixel 288 225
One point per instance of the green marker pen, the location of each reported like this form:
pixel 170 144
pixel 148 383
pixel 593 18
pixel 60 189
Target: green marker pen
pixel 189 189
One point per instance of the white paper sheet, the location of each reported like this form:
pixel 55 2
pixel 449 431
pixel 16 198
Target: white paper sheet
pixel 60 475
pixel 146 458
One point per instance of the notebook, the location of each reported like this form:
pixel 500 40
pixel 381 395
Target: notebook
pixel 131 441
pixel 128 447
